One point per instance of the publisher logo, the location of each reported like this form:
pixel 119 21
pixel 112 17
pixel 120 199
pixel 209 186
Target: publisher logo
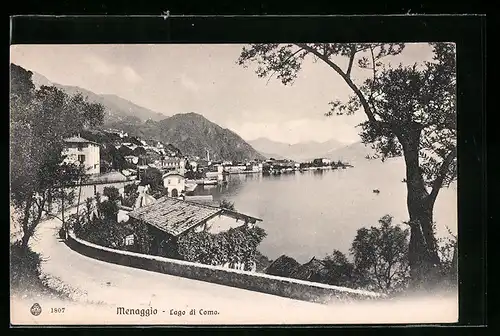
pixel 36 309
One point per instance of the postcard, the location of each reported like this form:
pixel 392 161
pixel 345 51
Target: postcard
pixel 233 184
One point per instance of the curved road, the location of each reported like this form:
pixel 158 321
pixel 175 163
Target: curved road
pixel 100 287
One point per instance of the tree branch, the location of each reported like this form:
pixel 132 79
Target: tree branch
pixel 351 60
pixel 366 107
pixel 286 60
pixel 443 170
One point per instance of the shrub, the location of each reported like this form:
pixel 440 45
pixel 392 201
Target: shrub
pixel 381 257
pixel 237 245
pixel 112 193
pixel 24 267
pixel 130 195
pixel 338 270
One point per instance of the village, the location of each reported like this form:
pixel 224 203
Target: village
pixel 181 174
pixel 156 186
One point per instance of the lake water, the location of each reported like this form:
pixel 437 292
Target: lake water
pixel 312 213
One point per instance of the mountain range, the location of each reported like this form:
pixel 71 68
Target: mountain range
pixel 303 151
pixel 117 108
pixel 193 134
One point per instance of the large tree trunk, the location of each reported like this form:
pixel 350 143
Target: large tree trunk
pixel 423 257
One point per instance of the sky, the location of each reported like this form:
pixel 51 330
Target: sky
pixel 205 79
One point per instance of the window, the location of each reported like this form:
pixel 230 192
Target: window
pixel 129 240
pixel 81 158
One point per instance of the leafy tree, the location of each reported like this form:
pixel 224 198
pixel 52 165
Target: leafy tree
pixel 130 195
pixel 108 210
pixel 104 232
pixel 381 256
pixel 448 253
pixel 112 193
pixel 125 151
pixel 154 178
pixel 139 151
pixel 338 270
pixel 39 121
pixel 65 180
pixel 142 237
pixel 410 111
pixel 283 266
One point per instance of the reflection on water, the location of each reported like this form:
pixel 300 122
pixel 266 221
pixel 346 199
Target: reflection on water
pixel 312 213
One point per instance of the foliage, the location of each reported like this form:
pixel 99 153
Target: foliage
pixel 112 193
pixel 108 210
pixel 338 270
pixel 104 231
pixel 410 111
pixel 381 256
pixel 237 245
pixel 40 120
pixel 153 177
pixel 98 223
pixel 130 195
pixel 125 151
pixel 24 264
pixel 262 262
pixel 283 266
pixel 225 204
pixel 448 253
pixel 139 151
pixel 142 237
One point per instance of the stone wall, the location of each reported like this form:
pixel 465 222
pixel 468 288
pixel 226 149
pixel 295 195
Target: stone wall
pixel 285 287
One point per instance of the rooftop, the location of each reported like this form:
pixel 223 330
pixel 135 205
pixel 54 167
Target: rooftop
pixel 78 139
pixel 175 216
pixel 173 172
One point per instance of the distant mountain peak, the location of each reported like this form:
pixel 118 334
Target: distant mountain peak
pixel 302 151
pixel 194 135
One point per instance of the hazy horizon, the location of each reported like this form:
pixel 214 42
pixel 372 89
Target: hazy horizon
pixel 205 79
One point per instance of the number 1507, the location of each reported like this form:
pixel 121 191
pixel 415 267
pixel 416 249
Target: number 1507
pixel 57 310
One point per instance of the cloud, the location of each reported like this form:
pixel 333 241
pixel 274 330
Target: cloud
pixel 100 66
pixel 130 75
pixel 188 83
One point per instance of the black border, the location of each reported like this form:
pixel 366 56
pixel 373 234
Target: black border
pixel 468 32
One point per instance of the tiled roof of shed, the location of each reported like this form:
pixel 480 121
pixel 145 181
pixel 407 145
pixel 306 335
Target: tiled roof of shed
pixel 174 216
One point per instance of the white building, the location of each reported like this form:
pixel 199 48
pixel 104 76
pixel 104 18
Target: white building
pixel 173 163
pixel 217 173
pixel 326 161
pixel 175 183
pixel 194 165
pixel 78 149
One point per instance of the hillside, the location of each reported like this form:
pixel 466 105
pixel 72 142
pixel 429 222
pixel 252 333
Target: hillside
pixel 117 108
pixel 193 134
pixel 303 151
